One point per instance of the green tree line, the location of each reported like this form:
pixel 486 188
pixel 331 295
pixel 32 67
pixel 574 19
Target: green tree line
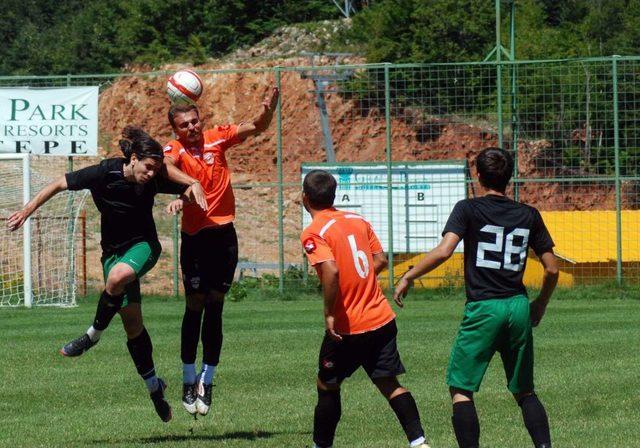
pixel 568 104
pixel 97 36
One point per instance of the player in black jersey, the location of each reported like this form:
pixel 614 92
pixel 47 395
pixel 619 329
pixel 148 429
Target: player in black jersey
pixel 123 190
pixel 497 233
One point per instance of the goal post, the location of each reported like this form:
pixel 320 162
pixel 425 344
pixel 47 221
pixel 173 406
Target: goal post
pixel 37 262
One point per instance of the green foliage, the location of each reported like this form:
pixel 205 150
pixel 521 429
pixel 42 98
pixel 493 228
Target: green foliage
pixel 92 36
pixel 297 286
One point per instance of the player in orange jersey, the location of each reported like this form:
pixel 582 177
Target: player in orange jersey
pixel 360 324
pixel 209 250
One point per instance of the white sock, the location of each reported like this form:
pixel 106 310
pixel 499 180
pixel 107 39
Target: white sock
pixel 94 334
pixel 419 441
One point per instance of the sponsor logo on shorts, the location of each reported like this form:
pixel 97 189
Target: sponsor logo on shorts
pixel 133 262
pixel 195 282
pixel 327 364
pixel 309 246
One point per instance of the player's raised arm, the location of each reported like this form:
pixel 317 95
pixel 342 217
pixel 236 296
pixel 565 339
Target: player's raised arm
pixel 260 123
pixel 330 286
pixel 18 218
pixel 441 253
pixel 549 282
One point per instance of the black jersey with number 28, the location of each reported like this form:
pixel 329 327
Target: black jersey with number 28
pixel 125 207
pixel 497 233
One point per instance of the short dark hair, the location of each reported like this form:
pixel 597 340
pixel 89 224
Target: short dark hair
pixel 320 188
pixel 495 167
pixel 182 108
pixel 138 142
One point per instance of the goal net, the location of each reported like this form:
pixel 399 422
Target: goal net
pixel 37 261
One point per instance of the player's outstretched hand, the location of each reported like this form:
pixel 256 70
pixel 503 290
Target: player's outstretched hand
pixel 537 309
pixel 197 192
pixel 270 103
pixel 329 321
pixel 175 207
pixel 400 291
pixel 15 221
pixel 268 108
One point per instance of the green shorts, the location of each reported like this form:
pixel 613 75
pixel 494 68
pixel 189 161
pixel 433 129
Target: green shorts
pixel 141 257
pixel 488 326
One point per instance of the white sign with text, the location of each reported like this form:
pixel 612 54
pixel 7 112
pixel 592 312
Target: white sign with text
pixel 58 121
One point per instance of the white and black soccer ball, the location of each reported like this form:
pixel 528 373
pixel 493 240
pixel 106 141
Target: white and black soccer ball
pixel 184 87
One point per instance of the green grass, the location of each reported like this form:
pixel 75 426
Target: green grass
pixel 586 373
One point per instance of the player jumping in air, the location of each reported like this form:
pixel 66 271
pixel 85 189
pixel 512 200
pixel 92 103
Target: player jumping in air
pixel 497 233
pixel 360 325
pixel 123 190
pixel 209 250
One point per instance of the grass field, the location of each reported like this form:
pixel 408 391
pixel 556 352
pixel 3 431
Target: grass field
pixel 586 369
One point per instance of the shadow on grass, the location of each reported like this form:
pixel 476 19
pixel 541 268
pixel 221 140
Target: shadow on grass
pixel 234 435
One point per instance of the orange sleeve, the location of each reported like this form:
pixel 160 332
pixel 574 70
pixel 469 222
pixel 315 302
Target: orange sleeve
pixel 228 134
pixel 316 248
pixel 374 242
pixel 172 149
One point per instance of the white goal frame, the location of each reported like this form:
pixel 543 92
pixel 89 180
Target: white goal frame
pixel 26 227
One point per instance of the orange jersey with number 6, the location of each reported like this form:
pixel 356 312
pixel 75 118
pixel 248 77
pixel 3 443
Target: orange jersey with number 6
pixel 207 163
pixel 349 240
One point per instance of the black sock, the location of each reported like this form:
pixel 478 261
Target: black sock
pixel 212 332
pixel 141 351
pixel 536 421
pixel 326 417
pixel 407 412
pixel 108 306
pixel 190 333
pixel 466 424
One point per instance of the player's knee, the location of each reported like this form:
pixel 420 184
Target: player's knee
pixel 329 403
pixel 133 327
pixel 460 395
pixel 118 278
pixel 389 387
pixel 195 302
pixel 521 396
pixel 215 296
pixel 327 386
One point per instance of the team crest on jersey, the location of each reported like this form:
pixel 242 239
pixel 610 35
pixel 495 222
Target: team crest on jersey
pixel 209 158
pixel 309 246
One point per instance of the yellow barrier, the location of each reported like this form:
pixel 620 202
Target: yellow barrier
pixel 585 246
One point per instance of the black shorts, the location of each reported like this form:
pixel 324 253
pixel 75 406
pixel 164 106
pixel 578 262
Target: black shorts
pixel 209 259
pixel 376 351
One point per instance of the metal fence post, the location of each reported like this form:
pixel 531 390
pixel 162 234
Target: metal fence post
pixel 280 183
pixel 71 225
pixel 616 147
pixel 387 118
pixel 499 74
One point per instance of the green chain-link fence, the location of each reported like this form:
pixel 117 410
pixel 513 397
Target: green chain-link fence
pixel 571 125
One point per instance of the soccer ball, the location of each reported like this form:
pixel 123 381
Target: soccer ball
pixel 184 87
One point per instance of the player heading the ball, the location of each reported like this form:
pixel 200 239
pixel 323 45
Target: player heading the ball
pixel 123 190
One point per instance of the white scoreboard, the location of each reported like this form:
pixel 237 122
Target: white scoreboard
pixel 423 195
